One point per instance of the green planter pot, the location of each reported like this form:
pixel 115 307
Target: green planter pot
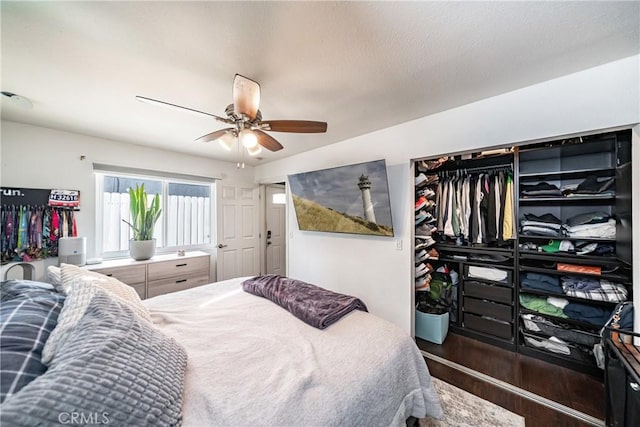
pixel 141 250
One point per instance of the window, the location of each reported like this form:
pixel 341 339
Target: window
pixel 185 222
pixel 279 199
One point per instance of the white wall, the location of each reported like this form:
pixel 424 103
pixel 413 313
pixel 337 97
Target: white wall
pixel 372 268
pixel 38 157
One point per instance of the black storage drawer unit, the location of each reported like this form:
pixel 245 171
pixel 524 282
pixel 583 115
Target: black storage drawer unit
pixel 488 291
pixel 488 308
pixel 488 326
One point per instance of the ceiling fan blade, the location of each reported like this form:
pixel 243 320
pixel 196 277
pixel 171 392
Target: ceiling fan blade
pixel 178 107
pixel 246 96
pixel 297 126
pixel 213 135
pixel 267 141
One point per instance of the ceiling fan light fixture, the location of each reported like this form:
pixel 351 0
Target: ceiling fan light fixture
pixel 227 140
pixel 248 138
pixel 254 150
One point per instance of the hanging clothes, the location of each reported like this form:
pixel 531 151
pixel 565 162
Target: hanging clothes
pixel 476 207
pixel 31 232
pixel 55 226
pixel 74 225
pixel 508 224
pixel 23 229
pixel 38 232
pixel 33 218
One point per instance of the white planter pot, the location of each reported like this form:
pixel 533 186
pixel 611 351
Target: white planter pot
pixel 141 250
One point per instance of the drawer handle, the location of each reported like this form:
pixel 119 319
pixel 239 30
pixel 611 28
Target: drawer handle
pixel 181 265
pixel 109 275
pixel 181 281
pixel 634 386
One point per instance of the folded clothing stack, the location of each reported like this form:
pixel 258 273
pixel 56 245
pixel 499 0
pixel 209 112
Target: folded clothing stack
pixel 580 247
pixel 542 225
pixel 543 325
pixel 559 307
pixel 606 230
pixel 488 273
pixel 541 189
pixel 592 224
pixel 591 186
pixel 541 305
pixel 594 289
pixel 587 225
pixel 575 286
pixel 540 282
pixel 587 313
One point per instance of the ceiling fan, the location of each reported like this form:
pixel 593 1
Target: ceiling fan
pixel 246 121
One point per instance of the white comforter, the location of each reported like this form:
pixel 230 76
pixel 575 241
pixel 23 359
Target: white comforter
pixel 251 363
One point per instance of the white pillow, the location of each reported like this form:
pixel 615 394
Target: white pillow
pixel 54 275
pixel 80 286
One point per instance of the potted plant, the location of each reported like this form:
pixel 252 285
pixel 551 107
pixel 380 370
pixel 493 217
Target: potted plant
pixel 143 220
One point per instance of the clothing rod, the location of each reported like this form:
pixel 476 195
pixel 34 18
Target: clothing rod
pixel 497 168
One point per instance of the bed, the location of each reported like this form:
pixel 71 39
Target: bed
pixel 245 362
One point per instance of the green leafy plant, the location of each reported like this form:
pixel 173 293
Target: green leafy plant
pixel 143 216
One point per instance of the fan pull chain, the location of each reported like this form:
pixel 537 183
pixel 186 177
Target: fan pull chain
pixel 240 164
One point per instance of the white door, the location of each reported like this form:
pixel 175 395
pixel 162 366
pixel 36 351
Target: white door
pixel 275 202
pixel 238 253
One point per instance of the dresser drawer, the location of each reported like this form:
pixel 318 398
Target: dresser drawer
pixel 488 291
pixel 488 326
pixel 130 275
pixel 488 308
pixel 174 284
pixel 140 289
pixel 178 267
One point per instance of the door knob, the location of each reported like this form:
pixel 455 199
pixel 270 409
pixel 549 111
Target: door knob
pixel 220 246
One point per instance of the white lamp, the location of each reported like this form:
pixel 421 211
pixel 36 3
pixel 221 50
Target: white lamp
pixel 254 150
pixel 247 138
pixel 227 140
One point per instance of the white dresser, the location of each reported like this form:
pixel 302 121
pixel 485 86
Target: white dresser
pixel 160 275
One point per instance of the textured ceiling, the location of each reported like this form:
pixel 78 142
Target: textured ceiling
pixel 360 66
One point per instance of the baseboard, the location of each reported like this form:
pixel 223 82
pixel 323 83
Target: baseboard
pixel 585 418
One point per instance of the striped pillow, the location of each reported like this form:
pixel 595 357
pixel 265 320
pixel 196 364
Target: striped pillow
pixel 28 314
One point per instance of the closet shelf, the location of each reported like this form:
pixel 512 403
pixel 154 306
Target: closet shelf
pixel 473 249
pixel 607 276
pixel 502 265
pixel 592 199
pixel 567 174
pixel 571 258
pixel 574 239
pixel 568 298
pixel 557 149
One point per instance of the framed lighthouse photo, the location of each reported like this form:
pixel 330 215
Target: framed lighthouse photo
pixel 348 199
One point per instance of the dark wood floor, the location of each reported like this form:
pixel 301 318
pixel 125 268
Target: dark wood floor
pixel 582 392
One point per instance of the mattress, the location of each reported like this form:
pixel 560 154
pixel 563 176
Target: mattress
pixel 250 362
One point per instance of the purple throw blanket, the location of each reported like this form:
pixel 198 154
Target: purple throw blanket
pixel 312 304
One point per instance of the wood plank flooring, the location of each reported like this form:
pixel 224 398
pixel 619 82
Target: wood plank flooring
pixel 581 392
